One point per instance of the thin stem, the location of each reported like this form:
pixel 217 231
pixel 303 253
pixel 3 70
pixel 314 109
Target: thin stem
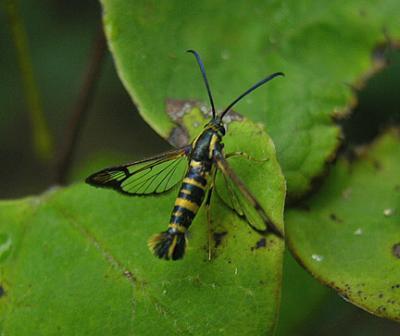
pixel 81 107
pixel 42 139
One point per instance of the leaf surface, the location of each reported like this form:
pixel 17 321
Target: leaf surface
pixel 323 48
pixel 75 261
pixel 348 234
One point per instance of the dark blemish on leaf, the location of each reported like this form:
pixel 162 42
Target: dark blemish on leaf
pixel 379 54
pixel 335 218
pixel 218 236
pixel 377 165
pixel 396 250
pixel 380 296
pixel 129 275
pixel 259 244
pixel 2 291
pixel 396 286
pixel 381 309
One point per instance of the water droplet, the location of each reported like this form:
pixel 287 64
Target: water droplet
pixel 317 257
pixel 358 232
pixel 346 193
pixel 5 246
pixel 225 55
pixel 388 212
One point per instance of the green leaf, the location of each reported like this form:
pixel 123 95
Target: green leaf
pixel 348 234
pixel 75 261
pixel 323 48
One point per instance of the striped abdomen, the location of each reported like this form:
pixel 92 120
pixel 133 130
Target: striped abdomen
pixel 171 244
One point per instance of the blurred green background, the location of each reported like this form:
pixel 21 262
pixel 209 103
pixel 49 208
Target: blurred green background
pixel 61 35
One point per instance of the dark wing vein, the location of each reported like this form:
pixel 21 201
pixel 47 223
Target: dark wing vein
pixel 155 175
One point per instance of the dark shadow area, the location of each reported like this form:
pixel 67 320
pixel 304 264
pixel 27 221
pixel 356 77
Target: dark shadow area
pixel 378 104
pixel 60 42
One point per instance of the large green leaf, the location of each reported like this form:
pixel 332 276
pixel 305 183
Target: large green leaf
pixel 348 234
pixel 75 261
pixel 323 47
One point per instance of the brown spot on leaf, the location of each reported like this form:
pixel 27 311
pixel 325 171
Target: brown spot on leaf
pixel 178 108
pixel 377 165
pixel 178 137
pixel 2 291
pixel 218 236
pixel 396 250
pixel 335 218
pixel 381 309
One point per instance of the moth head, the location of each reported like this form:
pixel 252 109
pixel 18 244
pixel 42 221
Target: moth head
pixel 216 125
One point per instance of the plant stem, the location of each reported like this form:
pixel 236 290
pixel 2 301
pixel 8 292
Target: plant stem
pixel 81 108
pixel 42 140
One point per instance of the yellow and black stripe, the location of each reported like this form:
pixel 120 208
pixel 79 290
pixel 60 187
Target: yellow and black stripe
pixel 171 244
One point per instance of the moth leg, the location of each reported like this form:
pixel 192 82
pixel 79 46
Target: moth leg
pixel 244 155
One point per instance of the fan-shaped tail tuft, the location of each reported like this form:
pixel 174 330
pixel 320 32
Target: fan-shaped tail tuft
pixel 168 245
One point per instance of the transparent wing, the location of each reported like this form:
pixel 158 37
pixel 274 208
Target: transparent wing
pixel 239 198
pixel 154 175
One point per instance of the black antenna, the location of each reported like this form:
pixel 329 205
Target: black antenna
pixel 203 72
pixel 255 86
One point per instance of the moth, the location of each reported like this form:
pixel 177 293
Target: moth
pixel 202 159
